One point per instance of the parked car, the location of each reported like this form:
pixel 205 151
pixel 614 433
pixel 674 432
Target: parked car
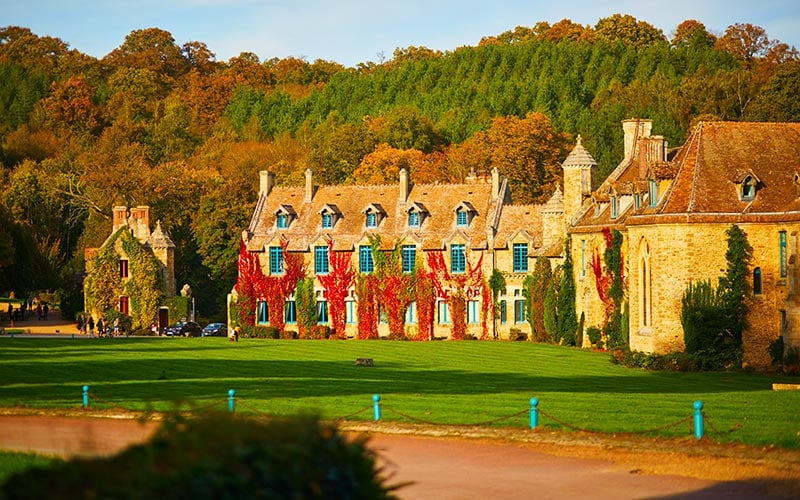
pixel 215 330
pixel 183 329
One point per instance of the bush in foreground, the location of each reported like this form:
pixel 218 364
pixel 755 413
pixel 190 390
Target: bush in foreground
pixel 219 457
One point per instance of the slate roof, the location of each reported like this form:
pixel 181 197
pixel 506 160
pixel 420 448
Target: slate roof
pixel 704 178
pixel 438 225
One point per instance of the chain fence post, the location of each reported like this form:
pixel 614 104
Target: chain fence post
pixel 534 413
pixel 376 407
pixel 231 399
pixel 85 396
pixel 698 419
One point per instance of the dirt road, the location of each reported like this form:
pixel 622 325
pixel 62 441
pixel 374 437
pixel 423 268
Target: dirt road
pixel 483 464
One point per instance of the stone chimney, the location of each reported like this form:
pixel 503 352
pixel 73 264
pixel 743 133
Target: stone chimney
pixel 140 222
pixel 495 183
pixel 309 186
pixel 266 181
pixel 120 218
pixel 404 186
pixel 635 129
pixel 653 150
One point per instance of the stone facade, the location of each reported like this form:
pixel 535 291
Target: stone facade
pixel 157 242
pixel 476 215
pixel 674 207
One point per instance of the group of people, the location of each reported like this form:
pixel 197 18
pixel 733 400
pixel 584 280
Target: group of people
pixel 87 325
pixel 24 310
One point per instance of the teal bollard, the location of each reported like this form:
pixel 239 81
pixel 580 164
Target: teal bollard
pixel 85 396
pixel 231 394
pixel 534 413
pixel 698 420
pixel 376 407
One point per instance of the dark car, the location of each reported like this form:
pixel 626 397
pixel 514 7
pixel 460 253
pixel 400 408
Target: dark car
pixel 215 330
pixel 183 329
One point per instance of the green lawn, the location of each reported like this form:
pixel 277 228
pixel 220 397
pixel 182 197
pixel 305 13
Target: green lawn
pixel 11 463
pixel 440 382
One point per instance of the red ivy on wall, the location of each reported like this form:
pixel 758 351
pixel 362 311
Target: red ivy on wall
pixel 603 277
pixel 367 307
pixel 337 283
pixel 248 285
pixel 426 304
pixel 457 289
pixel 253 285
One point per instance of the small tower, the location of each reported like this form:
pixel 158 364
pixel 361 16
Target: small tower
pixel 580 170
pixel 553 223
pixel 163 250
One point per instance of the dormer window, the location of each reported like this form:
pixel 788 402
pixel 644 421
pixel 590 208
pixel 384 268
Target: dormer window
pixel 373 215
pixel 637 201
pixel 614 207
pixel 284 216
pixel 464 214
pixel 461 218
pixel 748 188
pixel 653 193
pixel 329 215
pixel 416 214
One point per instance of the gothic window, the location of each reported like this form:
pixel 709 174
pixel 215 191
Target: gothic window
pixel 757 288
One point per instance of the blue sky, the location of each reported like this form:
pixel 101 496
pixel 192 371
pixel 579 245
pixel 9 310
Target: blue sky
pixel 354 31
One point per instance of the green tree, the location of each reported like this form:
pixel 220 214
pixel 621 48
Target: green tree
pixel 567 317
pixel 550 313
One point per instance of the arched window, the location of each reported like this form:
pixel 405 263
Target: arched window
pixel 757 289
pixel 645 306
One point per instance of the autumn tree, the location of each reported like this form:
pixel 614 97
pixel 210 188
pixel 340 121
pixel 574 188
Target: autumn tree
pixel 629 30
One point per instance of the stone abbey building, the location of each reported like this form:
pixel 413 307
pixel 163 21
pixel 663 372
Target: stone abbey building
pixel 672 207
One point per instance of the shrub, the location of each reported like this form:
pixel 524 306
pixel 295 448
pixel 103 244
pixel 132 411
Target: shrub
pixel 260 332
pixel 594 334
pixel 219 457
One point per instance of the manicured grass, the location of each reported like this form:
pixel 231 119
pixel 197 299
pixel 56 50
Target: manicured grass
pixel 440 382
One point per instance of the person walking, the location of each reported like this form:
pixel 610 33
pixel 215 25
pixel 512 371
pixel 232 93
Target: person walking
pixel 91 325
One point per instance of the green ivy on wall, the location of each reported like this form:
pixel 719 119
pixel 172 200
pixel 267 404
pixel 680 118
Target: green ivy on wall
pixel 144 288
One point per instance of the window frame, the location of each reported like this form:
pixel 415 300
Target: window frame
pixel 414 219
pixel 462 218
pixel 366 260
pixel 321 259
pixel 653 192
pixel 282 221
pixel 276 260
pixel 748 188
pixel 458 258
pixel 123 268
pixel 519 312
pixel 519 257
pixel 262 312
pixel 371 220
pixel 408 257
pixel 782 257
pixel 327 220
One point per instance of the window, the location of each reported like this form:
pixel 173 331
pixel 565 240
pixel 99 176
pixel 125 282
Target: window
pixel 473 316
pixel 124 306
pixel 444 313
pixel 653 193
pixel 461 218
pixel 290 312
pixel 637 201
pixel 383 317
pixel 757 290
pixel 327 221
pixel 262 313
pixel 123 268
pixel 614 207
pixel 275 260
pixel 645 291
pixel 282 221
pixel 409 257
pixel 411 313
pixel 321 260
pixel 372 219
pixel 366 264
pixel 413 219
pixel 458 259
pixel 583 258
pixel 782 245
pixel 350 312
pixel 519 311
pixel 520 257
pixel 503 312
pixel 322 311
pixel 748 188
